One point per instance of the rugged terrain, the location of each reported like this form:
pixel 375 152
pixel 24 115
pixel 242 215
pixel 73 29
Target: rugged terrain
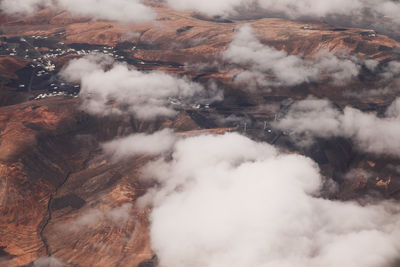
pixel 53 171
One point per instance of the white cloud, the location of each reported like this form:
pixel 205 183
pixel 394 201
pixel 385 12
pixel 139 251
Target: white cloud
pixel 48 262
pixel 109 87
pixel 389 9
pixel 139 144
pixel 388 83
pixel 271 67
pixel 392 71
pixel 92 217
pixel 318 118
pixel 229 201
pixel 22 6
pixel 77 69
pixel 208 7
pixel 119 10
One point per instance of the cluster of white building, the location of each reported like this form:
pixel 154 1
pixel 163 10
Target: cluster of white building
pixel 179 103
pixel 53 94
pixel 42 58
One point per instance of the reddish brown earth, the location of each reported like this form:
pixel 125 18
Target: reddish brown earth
pixel 161 41
pixel 52 171
pixel 8 67
pixel 204 39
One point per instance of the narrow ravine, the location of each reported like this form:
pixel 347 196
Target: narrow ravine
pixel 49 214
pixel 51 200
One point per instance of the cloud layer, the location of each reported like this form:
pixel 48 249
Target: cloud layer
pixel 319 118
pixel 109 87
pixel 229 201
pixel 352 12
pixel 141 144
pixel 265 66
pixel 119 10
pixel 356 9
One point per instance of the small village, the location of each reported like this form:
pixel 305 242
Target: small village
pixel 41 76
pixel 42 52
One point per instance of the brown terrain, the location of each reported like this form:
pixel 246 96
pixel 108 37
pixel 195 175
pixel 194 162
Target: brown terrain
pixel 53 171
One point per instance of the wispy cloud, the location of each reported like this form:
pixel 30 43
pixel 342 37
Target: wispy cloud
pixel 265 66
pixel 110 87
pixel 370 133
pixel 119 10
